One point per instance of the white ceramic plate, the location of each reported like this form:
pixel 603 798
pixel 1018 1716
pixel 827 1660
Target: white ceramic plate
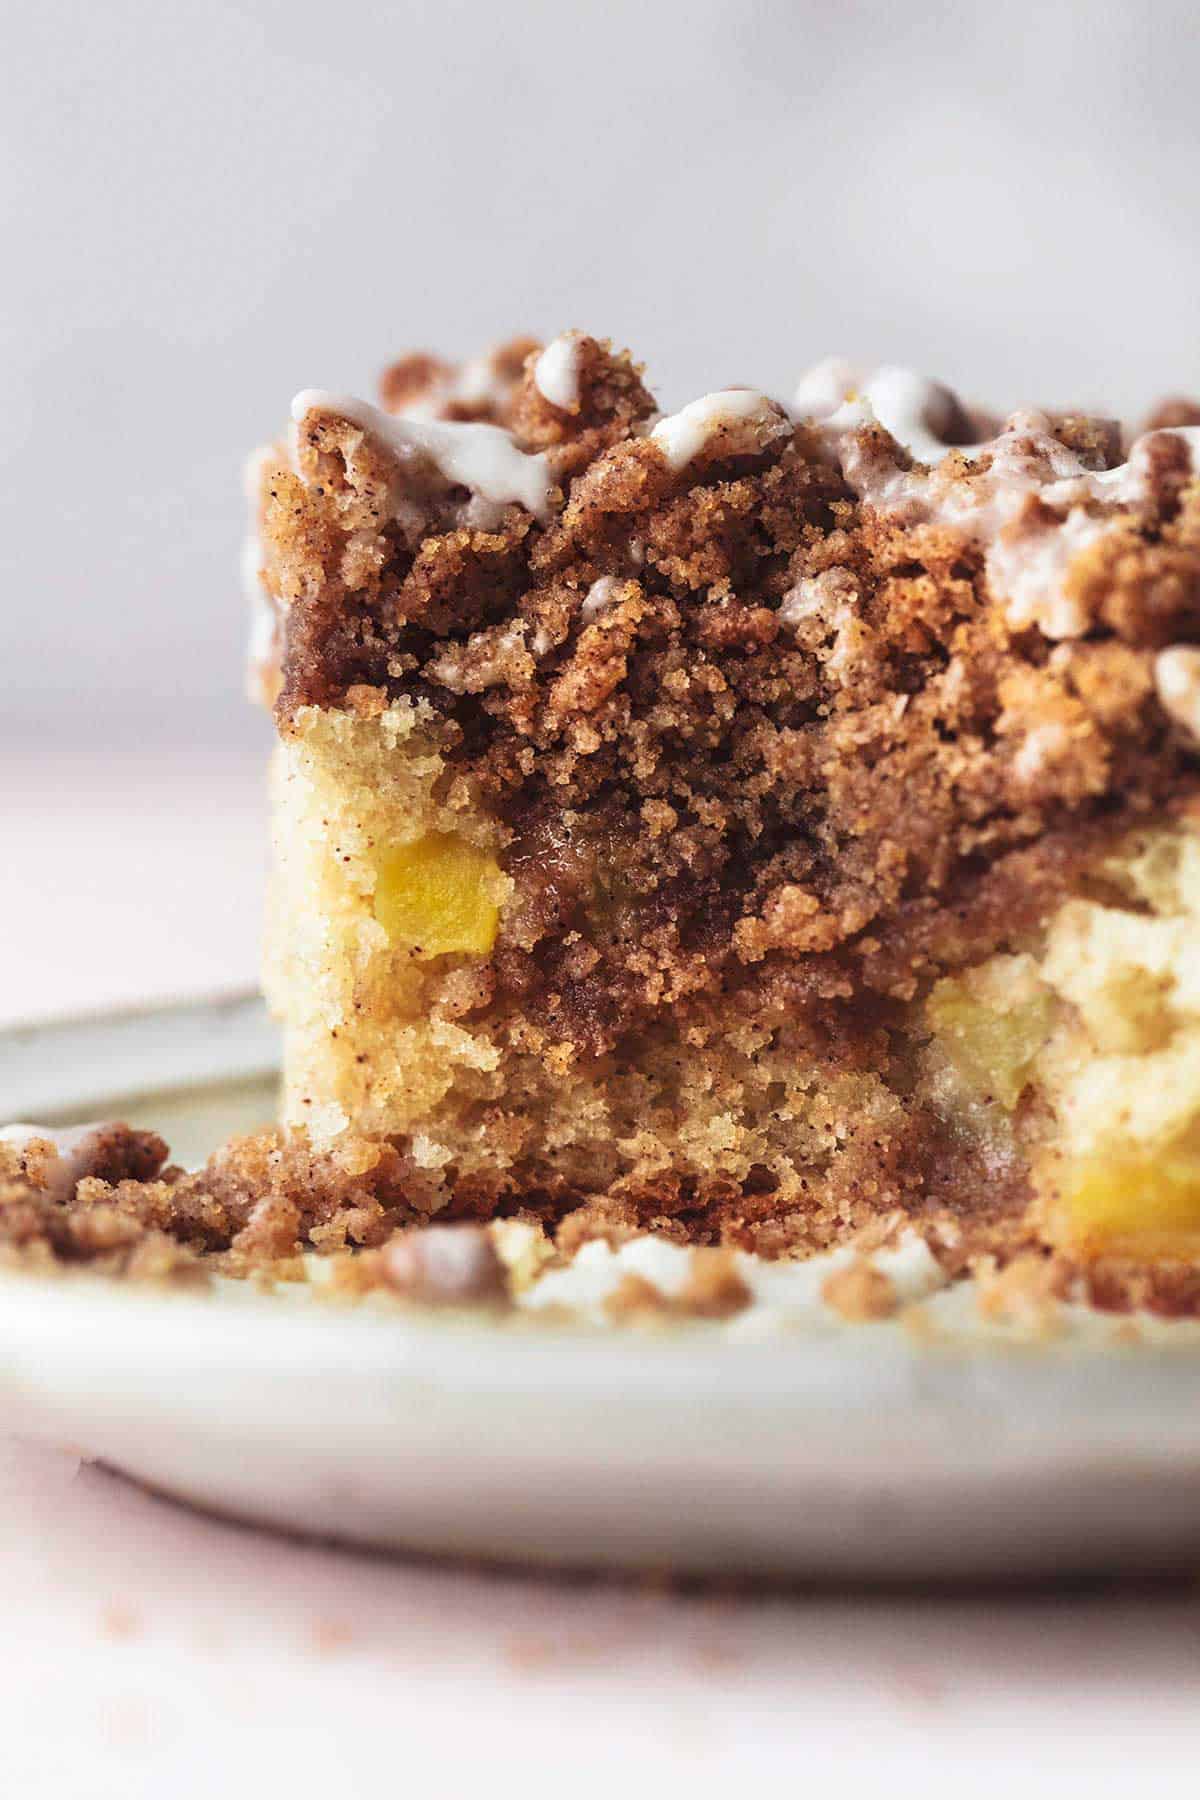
pixel 863 1452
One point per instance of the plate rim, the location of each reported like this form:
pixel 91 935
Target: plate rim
pixel 172 1386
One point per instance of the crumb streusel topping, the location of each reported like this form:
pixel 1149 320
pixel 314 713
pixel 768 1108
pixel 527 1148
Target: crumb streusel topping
pixel 811 711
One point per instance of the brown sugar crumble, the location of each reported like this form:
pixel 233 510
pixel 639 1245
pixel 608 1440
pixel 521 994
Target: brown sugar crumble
pixel 257 1204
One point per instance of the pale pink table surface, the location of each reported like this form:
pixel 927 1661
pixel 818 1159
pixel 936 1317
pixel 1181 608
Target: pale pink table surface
pixel 148 1651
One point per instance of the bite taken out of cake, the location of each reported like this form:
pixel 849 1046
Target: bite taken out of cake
pixel 749 822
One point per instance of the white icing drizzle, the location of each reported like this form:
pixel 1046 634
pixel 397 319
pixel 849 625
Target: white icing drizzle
pixel 824 387
pixel 556 371
pixel 1027 554
pixel 75 1146
pixel 262 643
pixel 490 658
pixel 1027 551
pixel 1032 508
pixel 1041 747
pixel 818 597
pixel 483 458
pixel 1177 680
pixel 683 435
pixel 821 610
pixel 916 411
pixel 1027 501
pixel 254 468
pixel 262 646
pixel 599 597
pixel 480 383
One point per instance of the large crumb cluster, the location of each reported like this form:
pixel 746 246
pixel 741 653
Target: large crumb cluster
pixel 122 1205
pixel 258 1205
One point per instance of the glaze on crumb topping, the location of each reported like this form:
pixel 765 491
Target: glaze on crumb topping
pixel 761 723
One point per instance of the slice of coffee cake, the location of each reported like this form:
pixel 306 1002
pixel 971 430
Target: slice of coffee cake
pixel 750 821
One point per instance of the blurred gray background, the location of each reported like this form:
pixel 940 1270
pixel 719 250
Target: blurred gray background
pixel 210 206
